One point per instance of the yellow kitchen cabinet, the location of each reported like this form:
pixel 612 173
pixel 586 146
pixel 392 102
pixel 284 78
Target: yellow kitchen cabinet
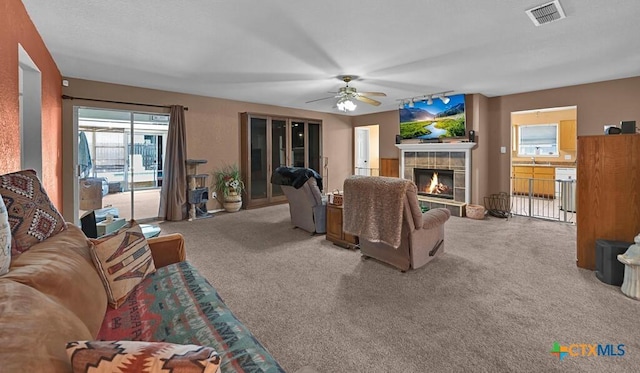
pixel 521 176
pixel 568 135
pixel 543 180
pixel 544 183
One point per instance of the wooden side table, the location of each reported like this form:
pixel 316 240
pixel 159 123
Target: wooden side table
pixel 335 233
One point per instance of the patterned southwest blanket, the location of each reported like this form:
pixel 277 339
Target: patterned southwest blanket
pixel 177 305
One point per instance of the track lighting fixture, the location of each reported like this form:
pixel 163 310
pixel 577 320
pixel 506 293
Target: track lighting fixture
pixel 428 98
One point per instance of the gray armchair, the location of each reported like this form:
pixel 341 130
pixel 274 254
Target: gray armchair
pixel 385 215
pixel 307 208
pixel 302 187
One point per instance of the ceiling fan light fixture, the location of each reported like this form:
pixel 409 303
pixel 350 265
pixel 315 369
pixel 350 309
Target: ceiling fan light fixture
pixel 345 104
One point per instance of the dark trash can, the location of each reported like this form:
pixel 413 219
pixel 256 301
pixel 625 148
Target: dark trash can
pixel 608 269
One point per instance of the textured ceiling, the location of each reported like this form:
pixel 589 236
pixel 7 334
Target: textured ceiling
pixel 285 52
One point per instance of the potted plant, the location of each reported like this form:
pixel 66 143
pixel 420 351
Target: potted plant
pixel 228 183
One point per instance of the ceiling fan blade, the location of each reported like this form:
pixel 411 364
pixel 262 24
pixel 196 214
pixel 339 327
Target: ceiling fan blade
pixel 367 100
pixel 319 99
pixel 372 93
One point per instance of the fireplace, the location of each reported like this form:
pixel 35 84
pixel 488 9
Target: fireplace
pixel 434 182
pixel 449 160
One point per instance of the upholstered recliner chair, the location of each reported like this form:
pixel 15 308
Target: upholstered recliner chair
pixel 385 215
pixel 302 187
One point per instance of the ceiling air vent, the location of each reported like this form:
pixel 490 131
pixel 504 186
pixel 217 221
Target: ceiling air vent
pixel 546 13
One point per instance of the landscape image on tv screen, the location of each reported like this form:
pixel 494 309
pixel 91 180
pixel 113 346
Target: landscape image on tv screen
pixel 435 121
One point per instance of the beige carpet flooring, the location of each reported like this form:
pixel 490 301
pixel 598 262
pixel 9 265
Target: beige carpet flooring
pixel 496 301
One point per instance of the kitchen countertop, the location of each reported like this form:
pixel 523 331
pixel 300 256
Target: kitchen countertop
pixel 544 164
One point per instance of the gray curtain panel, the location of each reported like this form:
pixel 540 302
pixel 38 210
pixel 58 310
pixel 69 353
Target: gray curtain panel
pixel 173 197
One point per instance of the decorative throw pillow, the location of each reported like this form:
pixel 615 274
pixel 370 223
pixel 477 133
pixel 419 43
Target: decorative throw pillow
pixel 32 216
pixel 5 239
pixel 143 357
pixel 123 259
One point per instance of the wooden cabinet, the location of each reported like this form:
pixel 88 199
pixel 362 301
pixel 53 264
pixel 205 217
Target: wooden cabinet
pixel 521 176
pixel 608 189
pixel 568 135
pixel 544 183
pixel 543 180
pixel 268 142
pixel 389 167
pixel 335 233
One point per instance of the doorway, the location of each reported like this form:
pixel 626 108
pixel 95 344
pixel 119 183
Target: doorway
pixel 121 154
pixel 543 163
pixel 366 147
pixel 30 103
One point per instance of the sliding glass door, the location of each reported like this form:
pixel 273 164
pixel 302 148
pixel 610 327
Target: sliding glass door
pixel 123 152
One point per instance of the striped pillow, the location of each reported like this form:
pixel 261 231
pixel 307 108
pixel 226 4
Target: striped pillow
pixel 123 259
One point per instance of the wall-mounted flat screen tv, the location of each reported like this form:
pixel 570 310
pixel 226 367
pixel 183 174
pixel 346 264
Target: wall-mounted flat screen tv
pixel 432 121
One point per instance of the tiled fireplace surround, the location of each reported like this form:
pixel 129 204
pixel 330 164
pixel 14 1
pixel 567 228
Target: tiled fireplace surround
pixel 446 156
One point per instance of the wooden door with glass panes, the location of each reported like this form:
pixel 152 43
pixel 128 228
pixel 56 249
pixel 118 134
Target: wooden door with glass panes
pixel 268 142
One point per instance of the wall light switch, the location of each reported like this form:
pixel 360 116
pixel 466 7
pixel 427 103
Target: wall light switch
pixel 567 157
pixel 503 149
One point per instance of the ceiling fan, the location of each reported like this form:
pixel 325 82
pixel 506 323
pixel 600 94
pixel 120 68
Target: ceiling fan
pixel 347 94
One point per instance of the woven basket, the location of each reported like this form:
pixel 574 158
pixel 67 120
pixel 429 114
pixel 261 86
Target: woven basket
pixel 475 212
pixel 338 198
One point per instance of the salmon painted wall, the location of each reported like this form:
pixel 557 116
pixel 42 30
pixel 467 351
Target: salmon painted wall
pixel 477 119
pixel 477 107
pixel 16 28
pixel 389 126
pixel 597 104
pixel 213 127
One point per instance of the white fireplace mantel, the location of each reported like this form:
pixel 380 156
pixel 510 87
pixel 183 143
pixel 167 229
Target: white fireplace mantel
pixel 437 147
pixel 443 147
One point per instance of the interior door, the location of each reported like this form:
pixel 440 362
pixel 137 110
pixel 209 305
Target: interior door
pixel 362 151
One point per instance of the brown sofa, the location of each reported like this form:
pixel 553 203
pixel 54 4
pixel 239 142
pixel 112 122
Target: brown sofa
pixel 53 295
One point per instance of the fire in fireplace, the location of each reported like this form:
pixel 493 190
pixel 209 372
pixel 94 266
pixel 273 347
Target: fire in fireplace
pixel 434 182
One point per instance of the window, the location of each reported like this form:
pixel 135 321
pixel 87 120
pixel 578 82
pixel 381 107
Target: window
pixel 126 150
pixel 538 140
